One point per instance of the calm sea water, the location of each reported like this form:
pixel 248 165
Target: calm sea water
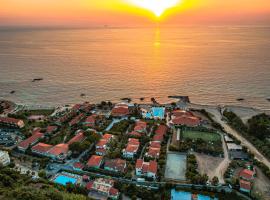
pixel 212 65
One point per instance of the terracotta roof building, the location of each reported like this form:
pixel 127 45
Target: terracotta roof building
pixel 148 169
pixel 245 186
pixel 41 149
pixel 79 137
pixel 59 152
pixel 95 161
pixel 132 148
pixel 11 122
pixel 30 141
pixel 116 165
pixel 120 110
pixel 104 187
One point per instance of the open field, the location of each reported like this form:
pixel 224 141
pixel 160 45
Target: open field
pixel 208 164
pixel 206 136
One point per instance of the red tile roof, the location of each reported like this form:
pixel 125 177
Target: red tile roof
pixel 51 129
pixel 9 120
pixel 113 191
pixel 158 137
pixel 246 174
pixel 140 126
pixel 31 140
pixel 162 130
pixel 153 152
pixel 153 166
pixel 133 141
pixel 178 113
pixel 95 161
pixel 139 163
pixel 120 111
pixel 91 119
pixel 185 120
pixel 245 185
pixel 76 119
pixel 135 134
pixel 101 143
pixel 155 144
pixel 131 148
pixel 107 136
pixel 79 137
pixel 116 164
pixel 78 165
pixel 59 149
pixel 42 147
pixel 89 185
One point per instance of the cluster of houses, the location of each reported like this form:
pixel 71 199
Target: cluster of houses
pixel 246 178
pixel 131 149
pixel 139 129
pixel 57 152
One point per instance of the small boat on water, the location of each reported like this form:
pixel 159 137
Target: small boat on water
pixel 268 99
pixel 142 98
pixel 37 79
pixel 240 99
pixel 12 92
pixel 82 95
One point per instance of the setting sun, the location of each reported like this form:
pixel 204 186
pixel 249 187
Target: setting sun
pixel 158 7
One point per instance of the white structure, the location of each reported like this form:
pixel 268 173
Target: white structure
pixel 4 158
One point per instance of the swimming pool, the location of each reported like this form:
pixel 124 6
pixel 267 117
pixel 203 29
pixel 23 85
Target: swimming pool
pixel 63 180
pixel 177 195
pixel 158 112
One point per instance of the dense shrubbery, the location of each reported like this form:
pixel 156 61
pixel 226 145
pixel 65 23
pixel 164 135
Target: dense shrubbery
pixel 192 173
pixel 16 186
pixel 257 130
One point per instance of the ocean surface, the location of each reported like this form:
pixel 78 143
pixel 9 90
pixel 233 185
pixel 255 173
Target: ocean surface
pixel 212 65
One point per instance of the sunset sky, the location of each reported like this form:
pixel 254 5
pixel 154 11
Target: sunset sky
pixel 131 12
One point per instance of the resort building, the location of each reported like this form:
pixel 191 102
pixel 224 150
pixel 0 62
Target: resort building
pixel 131 149
pixel 76 119
pixel 78 166
pixel 4 158
pixel 184 118
pixel 90 121
pixel 51 129
pixel 160 133
pixel 140 126
pixel 79 137
pixel 11 122
pixel 147 169
pixel 116 165
pixel 245 186
pixel 59 152
pixel 102 189
pixel 95 161
pixel 22 146
pixel 247 175
pixel 154 150
pixel 120 110
pixel 102 145
pixel 139 129
pixel 41 149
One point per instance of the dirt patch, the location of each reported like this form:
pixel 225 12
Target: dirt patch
pixel 208 164
pixel 261 185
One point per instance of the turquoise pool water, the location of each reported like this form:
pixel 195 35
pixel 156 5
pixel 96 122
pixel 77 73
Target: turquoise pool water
pixel 180 195
pixel 158 112
pixel 63 180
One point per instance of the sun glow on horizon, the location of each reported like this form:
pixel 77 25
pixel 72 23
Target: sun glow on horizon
pixel 158 7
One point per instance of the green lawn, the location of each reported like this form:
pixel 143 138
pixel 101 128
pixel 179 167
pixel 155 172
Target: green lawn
pixel 206 136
